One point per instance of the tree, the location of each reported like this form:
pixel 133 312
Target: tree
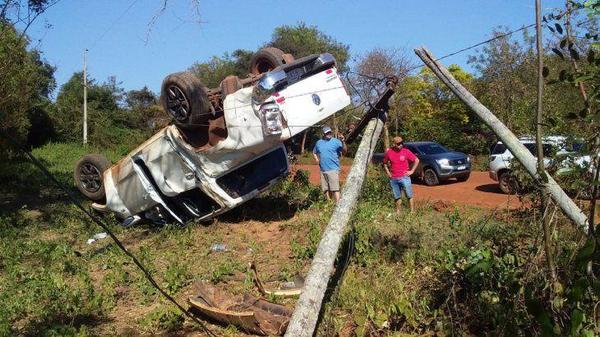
pixel 427 110
pixel 507 79
pixel 27 81
pixel 142 105
pixel 212 72
pixel 371 70
pixel 22 14
pixel 108 123
pixel 302 40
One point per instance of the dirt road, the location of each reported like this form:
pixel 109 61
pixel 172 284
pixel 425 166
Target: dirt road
pixel 479 190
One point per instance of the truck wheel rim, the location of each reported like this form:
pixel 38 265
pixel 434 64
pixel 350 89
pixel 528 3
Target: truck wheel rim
pixel 177 104
pixel 90 177
pixel 429 177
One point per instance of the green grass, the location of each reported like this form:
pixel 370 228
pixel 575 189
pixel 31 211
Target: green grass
pixel 459 271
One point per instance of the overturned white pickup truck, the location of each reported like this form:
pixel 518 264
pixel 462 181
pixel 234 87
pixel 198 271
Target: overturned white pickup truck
pixel 226 144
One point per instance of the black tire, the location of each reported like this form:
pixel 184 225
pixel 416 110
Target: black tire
pixel 507 183
pixel 88 176
pixel 430 178
pixel 266 60
pixel 463 178
pixel 185 99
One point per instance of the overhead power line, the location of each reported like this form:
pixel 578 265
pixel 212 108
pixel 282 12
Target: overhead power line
pixel 113 23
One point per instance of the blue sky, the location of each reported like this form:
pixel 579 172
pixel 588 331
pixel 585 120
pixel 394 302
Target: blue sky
pixel 119 41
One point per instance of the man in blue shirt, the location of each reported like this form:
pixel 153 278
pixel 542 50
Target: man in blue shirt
pixel 327 153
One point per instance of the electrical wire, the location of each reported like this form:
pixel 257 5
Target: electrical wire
pixel 113 24
pixel 104 226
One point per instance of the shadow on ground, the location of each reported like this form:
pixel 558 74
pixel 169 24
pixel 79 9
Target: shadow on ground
pixel 264 209
pixel 489 188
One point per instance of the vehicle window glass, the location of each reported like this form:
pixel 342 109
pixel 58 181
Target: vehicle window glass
pixel 412 149
pixel 432 148
pixel 546 148
pixel 254 175
pixel 578 147
pixel 499 149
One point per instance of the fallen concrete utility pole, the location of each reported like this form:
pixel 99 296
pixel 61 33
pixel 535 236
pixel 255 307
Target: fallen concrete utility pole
pixel 306 314
pixel 508 138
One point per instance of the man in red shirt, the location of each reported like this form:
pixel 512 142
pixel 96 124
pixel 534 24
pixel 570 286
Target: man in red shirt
pixel 396 163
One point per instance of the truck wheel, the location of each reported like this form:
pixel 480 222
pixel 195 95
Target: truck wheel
pixel 88 176
pixel 507 183
pixel 430 177
pixel 185 99
pixel 268 59
pixel 463 178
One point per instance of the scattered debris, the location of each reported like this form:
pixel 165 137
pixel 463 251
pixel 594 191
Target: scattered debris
pixel 290 289
pixel 250 314
pixel 219 247
pixel 97 237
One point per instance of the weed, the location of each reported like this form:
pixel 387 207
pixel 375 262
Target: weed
pixel 176 276
pixel 224 269
pixel 308 250
pixel 164 318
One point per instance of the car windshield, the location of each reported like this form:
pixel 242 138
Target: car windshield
pixel 499 149
pixel 432 148
pixel 547 149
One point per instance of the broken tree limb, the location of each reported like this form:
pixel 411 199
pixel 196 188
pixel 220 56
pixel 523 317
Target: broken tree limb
pixel 306 314
pixel 508 138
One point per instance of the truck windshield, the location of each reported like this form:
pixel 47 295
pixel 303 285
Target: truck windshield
pixel 432 148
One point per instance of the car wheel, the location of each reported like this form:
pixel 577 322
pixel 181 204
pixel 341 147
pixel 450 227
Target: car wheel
pixel 88 176
pixel 463 178
pixel 507 183
pixel 430 177
pixel 185 99
pixel 268 59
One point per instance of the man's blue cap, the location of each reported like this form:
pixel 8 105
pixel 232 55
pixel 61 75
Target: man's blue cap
pixel 326 129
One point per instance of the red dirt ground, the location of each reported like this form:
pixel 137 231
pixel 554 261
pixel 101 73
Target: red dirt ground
pixel 479 190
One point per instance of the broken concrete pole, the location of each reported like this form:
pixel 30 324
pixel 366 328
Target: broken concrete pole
pixel 306 314
pixel 508 138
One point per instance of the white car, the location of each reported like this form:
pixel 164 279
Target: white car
pixel 553 147
pixel 222 151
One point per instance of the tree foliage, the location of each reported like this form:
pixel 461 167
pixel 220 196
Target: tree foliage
pixel 27 81
pixel 302 40
pixel 213 71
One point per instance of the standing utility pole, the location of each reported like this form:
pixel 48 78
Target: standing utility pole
pixel 85 96
pixel 538 140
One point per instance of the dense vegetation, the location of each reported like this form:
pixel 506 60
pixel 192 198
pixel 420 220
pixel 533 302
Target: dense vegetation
pixel 442 270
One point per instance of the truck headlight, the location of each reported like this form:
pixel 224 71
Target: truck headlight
pixel 443 162
pixel 271 119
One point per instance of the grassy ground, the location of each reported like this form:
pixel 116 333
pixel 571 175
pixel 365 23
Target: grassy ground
pixel 443 270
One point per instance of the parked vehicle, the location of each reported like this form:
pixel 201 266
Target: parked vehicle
pixel 557 152
pixel 437 163
pixel 225 146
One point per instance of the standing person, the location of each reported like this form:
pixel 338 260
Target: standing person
pixel 327 153
pixel 398 157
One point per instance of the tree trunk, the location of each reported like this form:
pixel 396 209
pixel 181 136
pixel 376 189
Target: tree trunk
pixel 303 142
pixel 335 126
pixel 386 136
pixel 541 171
